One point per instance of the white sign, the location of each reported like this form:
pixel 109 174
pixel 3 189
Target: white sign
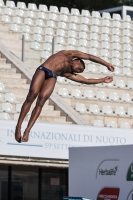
pixel 101 173
pixel 49 140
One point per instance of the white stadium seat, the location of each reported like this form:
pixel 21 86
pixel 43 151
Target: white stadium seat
pixel 127 71
pixel 116 54
pixel 37 37
pixel 9 11
pixel 98 123
pixel 116 24
pixel 85 13
pixel 7 107
pixel 117 71
pixel 17 20
pixel 116 31
pixel 53 16
pixel 6 19
pixel 63 18
pixel 115 38
pixel 82 35
pixel 119 111
pixel 18 107
pixel 62 25
pixel 93 108
pixel 107 110
pixel 124 125
pixel 38 30
pixel 105 52
pixel 105 30
pixel 113 96
pixel 76 93
pixel 120 84
pixel 105 45
pixel 106 15
pixel 71 33
pixel 116 17
pixel 43 8
pixel 126 39
pixel 88 94
pixel 94 43
pixel 127 47
pixel 45 54
pixel 63 92
pixel 60 40
pixel 72 41
pixel 21 5
pixel 80 107
pixel 95 21
pixel 53 9
pixel 74 19
pixel 126 25
pixel 48 38
pixel 106 23
pixel 127 18
pixel 83 27
pixel 127 55
pixel 32 6
pixel 42 15
pixel 104 69
pixel 64 10
pixel 83 42
pixel 40 22
pixel 95 29
pixel 4 116
pixel 93 51
pixel 10 97
pixel 26 29
pixel 10 4
pixel 61 80
pixel 126 32
pixel 26 36
pixel 20 13
pixel 92 68
pixel 47 46
pixel 35 45
pixel 57 47
pixel 126 97
pixel 101 95
pixel 116 46
pixel 28 21
pixel 15 27
pixel 105 37
pixel 96 14
pixel 93 36
pixel 111 124
pixel 116 62
pixel 50 23
pixel 30 14
pixel 130 111
pixel 85 20
pixel 130 84
pixel 127 63
pixel 75 11
pixel 50 31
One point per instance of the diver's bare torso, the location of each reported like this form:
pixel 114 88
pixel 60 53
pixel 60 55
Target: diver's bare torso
pixel 59 63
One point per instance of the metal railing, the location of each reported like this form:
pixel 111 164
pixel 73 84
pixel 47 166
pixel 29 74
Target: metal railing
pixel 23 48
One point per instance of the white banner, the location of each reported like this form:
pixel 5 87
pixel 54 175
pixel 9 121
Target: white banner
pixel 49 140
pixel 101 173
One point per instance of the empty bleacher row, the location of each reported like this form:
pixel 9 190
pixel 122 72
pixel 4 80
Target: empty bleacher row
pixel 109 38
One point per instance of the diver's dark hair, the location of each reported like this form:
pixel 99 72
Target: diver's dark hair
pixel 82 62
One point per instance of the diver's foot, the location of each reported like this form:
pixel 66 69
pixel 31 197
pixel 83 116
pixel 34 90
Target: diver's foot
pixel 18 134
pixel 25 136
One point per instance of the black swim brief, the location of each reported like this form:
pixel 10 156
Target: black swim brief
pixel 48 72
